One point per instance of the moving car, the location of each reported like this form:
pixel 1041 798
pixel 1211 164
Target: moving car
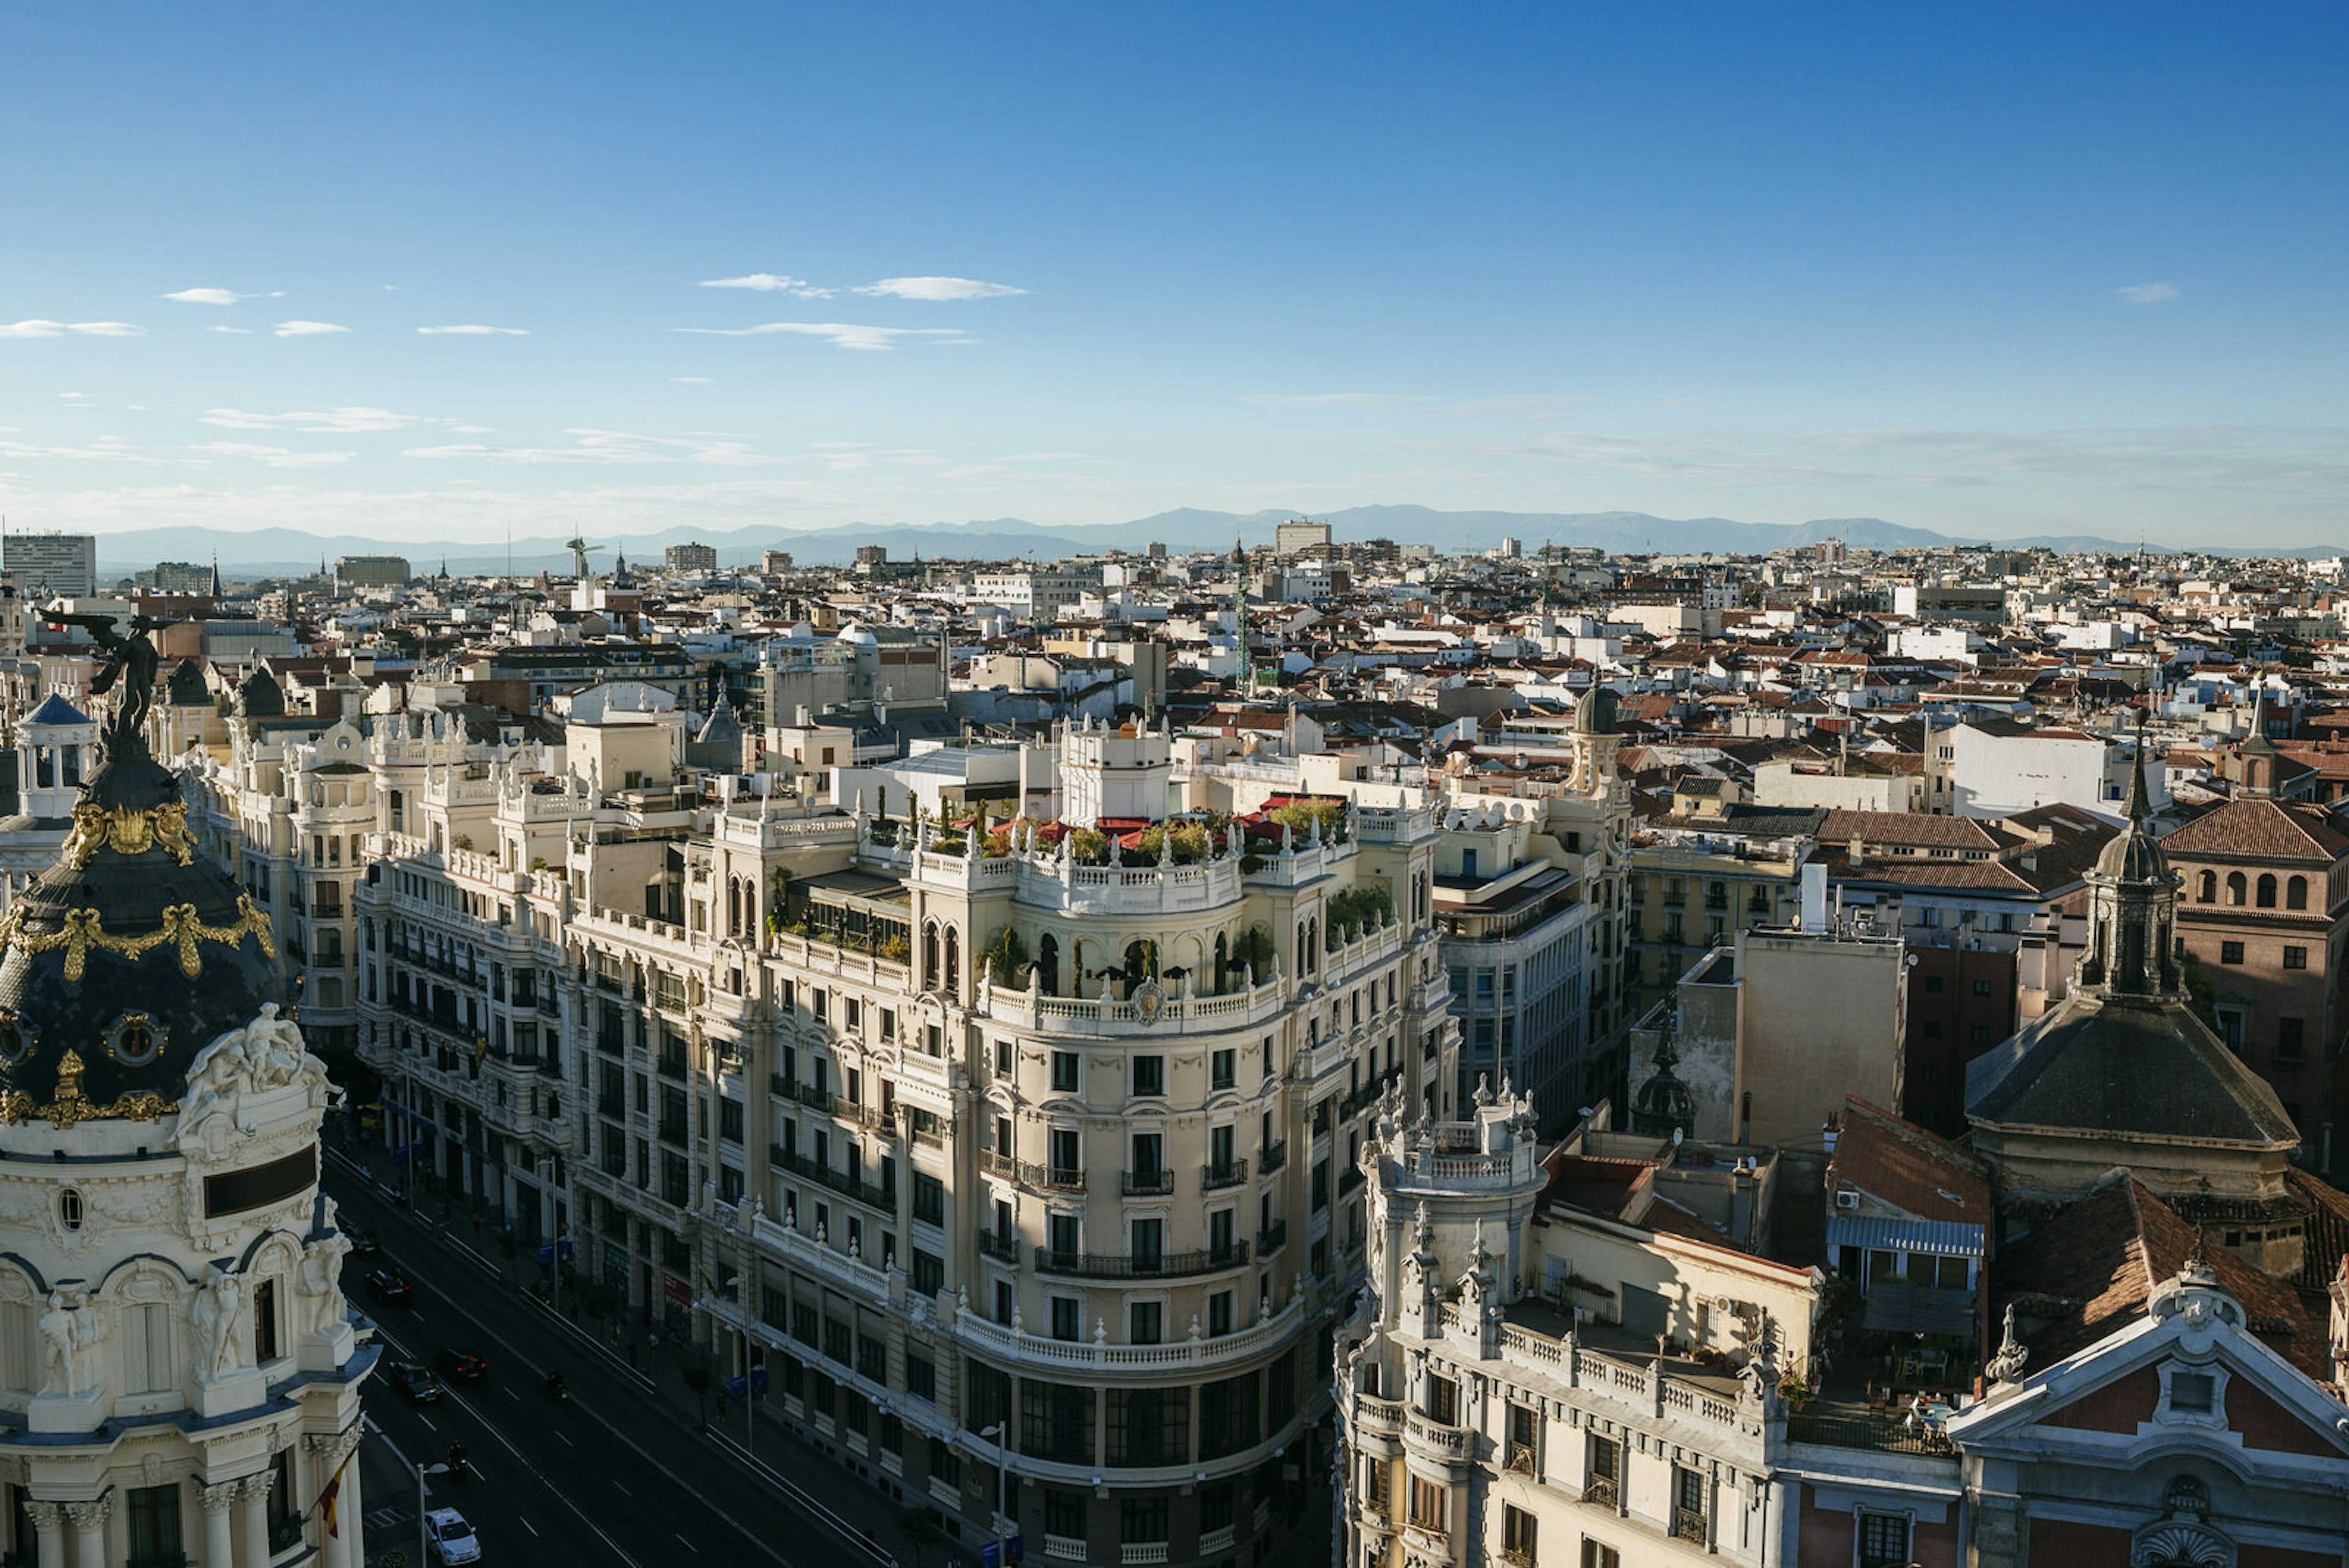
pixel 420 1386
pixel 451 1537
pixel 363 1241
pixel 464 1365
pixel 387 1285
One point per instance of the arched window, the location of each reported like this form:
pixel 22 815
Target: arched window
pixel 954 961
pixel 2267 891
pixel 2207 890
pixel 1223 960
pixel 2235 889
pixel 930 956
pixel 1048 964
pixel 2295 893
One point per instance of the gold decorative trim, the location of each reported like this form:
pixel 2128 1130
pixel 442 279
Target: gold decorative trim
pixel 180 925
pixel 127 831
pixel 72 1107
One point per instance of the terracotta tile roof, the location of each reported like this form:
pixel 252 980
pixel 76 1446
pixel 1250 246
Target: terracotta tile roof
pixel 2091 1267
pixel 2263 828
pixel 1905 1166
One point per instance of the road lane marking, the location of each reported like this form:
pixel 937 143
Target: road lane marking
pixel 709 1508
pixel 526 1524
pixel 689 1546
pixel 566 1438
pixel 427 1420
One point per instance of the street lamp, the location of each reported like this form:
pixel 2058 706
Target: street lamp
pixel 423 1527
pixel 1001 1434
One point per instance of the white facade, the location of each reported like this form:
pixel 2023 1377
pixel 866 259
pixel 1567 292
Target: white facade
pixel 2000 771
pixel 52 566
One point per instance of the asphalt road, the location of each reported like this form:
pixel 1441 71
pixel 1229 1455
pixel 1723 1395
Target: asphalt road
pixel 612 1475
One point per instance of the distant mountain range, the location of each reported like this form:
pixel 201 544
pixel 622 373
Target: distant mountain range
pixel 277 551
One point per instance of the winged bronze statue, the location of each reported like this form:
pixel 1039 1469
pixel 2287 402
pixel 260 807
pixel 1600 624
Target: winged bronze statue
pixel 127 661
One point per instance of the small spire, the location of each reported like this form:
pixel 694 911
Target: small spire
pixel 2136 806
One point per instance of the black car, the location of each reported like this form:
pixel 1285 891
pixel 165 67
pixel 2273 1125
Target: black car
pixel 386 1286
pixel 362 1242
pixel 420 1386
pixel 463 1365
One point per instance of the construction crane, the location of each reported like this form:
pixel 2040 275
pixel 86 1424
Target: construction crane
pixel 580 550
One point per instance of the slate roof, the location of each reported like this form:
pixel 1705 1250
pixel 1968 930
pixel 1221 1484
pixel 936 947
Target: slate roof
pixel 2129 1065
pixel 55 710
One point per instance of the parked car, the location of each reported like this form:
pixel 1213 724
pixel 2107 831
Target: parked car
pixel 463 1365
pixel 387 1285
pixel 452 1539
pixel 418 1385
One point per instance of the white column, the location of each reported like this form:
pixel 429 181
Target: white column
pixel 89 1531
pixel 220 1550
pixel 253 1493
pixel 348 1548
pixel 48 1529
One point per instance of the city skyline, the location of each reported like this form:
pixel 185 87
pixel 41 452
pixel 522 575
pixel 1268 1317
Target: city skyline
pixel 438 275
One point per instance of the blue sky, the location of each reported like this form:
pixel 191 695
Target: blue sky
pixel 1990 272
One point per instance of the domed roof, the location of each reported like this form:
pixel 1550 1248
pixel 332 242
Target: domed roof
pixel 1594 714
pixel 258 695
pixel 126 958
pixel 721 725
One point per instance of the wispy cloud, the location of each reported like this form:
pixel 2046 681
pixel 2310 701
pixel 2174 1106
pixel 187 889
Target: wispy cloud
pixel 839 334
pixel 69 328
pixel 1331 400
pixel 2147 292
pixel 274 456
pixel 105 449
pixel 307 328
pixel 240 331
pixel 608 448
pixel 474 331
pixel 771 283
pixel 219 295
pixel 327 421
pixel 938 288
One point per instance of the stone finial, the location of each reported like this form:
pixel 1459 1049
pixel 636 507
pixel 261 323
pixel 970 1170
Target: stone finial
pixel 2006 1366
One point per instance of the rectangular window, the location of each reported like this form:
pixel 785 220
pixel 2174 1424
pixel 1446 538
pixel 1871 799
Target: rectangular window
pixel 922 1378
pixel 1223 1069
pixel 729 1120
pixel 2231 952
pixel 1064 1514
pixel 1443 1401
pixel 1428 1503
pixel 1142 1521
pixel 1883 1540
pixel 1064 1072
pixel 1596 1554
pixel 154 1523
pixel 1144 1322
pixel 2295 957
pixel 929 1272
pixel 1068 1318
pixel 1149 1076
pixel 2289 1039
pixel 929 1198
pixel 146 1350
pixel 1517 1534
pixel 265 1322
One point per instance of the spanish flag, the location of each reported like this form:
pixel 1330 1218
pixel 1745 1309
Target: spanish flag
pixel 324 1507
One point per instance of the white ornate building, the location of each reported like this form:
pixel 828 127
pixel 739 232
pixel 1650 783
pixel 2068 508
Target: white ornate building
pixel 178 1369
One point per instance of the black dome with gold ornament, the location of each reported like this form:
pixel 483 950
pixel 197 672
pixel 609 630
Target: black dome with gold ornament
pixel 131 953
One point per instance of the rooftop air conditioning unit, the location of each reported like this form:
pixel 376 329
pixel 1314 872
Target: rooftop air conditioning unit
pixel 1846 1199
